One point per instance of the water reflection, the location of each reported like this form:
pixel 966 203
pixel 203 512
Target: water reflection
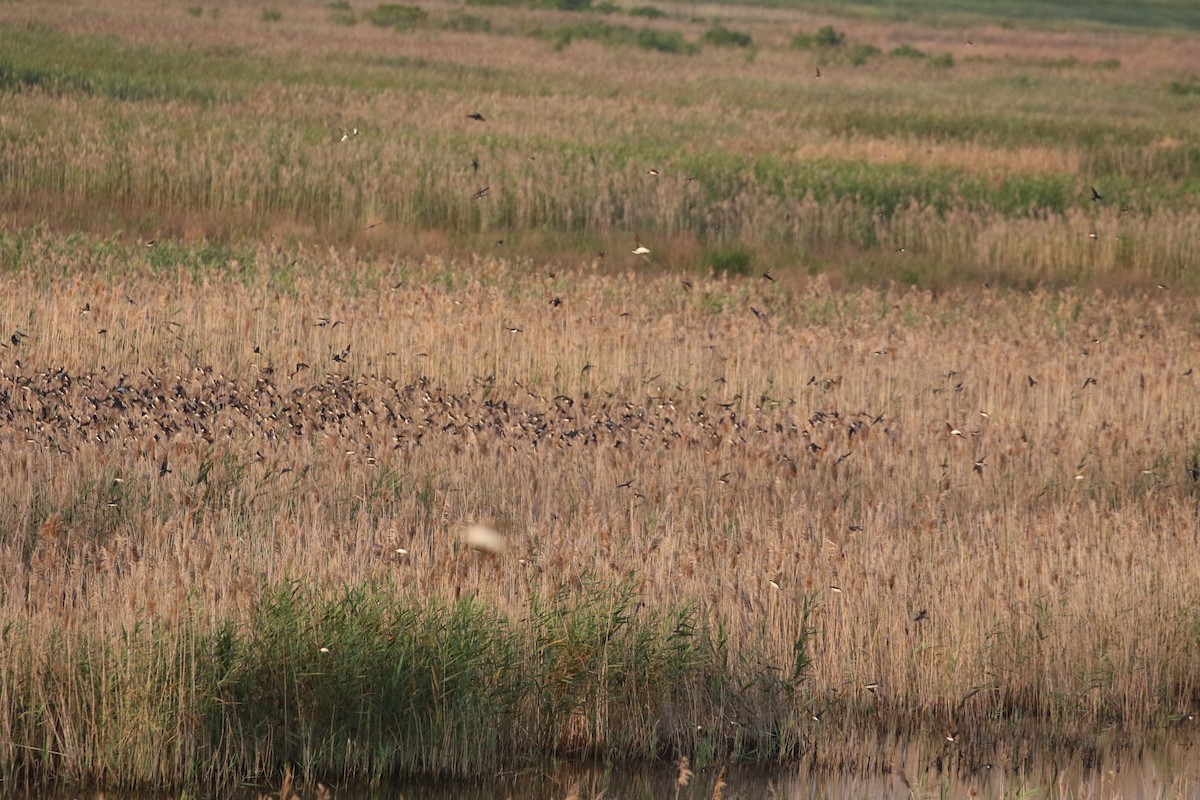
pixel 1168 771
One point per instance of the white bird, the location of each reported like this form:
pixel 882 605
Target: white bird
pixel 485 539
pixel 641 249
pixel 347 134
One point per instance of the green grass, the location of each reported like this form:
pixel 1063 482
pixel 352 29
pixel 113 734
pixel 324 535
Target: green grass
pixel 367 683
pixel 1178 15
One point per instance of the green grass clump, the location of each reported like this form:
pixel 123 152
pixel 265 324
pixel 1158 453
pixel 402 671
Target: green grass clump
pixel 730 259
pixel 622 35
pixel 943 61
pixel 1190 86
pixel 720 36
pixel 664 41
pixel 907 51
pixel 859 54
pixel 396 16
pixel 828 36
pixel 649 12
pixel 466 23
pixel 271 15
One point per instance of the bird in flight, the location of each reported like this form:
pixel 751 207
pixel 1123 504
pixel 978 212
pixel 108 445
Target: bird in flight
pixel 1096 195
pixel 641 249
pixel 818 72
pixel 477 117
pixel 481 193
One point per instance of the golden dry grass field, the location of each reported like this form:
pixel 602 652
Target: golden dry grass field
pixel 893 433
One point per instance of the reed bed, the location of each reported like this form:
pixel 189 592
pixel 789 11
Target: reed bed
pixel 891 435
pixel 164 124
pixel 745 518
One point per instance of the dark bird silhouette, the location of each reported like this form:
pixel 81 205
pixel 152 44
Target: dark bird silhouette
pixel 818 72
pixel 768 276
pixel 477 117
pixel 1096 195
pixel 475 164
pixel 481 193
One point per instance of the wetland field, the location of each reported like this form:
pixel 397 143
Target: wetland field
pixel 347 441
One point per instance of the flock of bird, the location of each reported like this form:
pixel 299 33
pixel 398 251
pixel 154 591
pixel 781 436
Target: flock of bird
pixel 63 412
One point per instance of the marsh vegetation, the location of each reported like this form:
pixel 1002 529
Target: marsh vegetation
pixel 892 432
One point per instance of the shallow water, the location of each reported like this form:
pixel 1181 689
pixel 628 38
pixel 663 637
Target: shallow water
pixel 1171 771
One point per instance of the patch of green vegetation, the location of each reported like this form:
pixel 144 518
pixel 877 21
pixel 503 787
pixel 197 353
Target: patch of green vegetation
pixel 195 11
pixel 943 61
pixel 801 41
pixel 649 12
pixel 664 41
pixel 396 16
pixel 622 35
pixel 1153 14
pixel 1189 86
pixel 357 683
pixel 859 54
pixel 466 23
pixel 907 51
pixel 53 62
pixel 271 15
pixel 339 5
pixel 720 36
pixel 828 36
pixel 730 259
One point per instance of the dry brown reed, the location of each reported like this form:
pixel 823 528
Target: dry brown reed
pixel 959 509
pixel 167 456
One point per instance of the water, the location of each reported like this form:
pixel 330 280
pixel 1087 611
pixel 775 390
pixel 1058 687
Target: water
pixel 1169 771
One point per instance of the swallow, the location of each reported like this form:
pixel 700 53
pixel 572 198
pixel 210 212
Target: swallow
pixel 477 117
pixel 767 276
pixel 475 165
pixel 921 616
pixel 1096 195
pixel 481 193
